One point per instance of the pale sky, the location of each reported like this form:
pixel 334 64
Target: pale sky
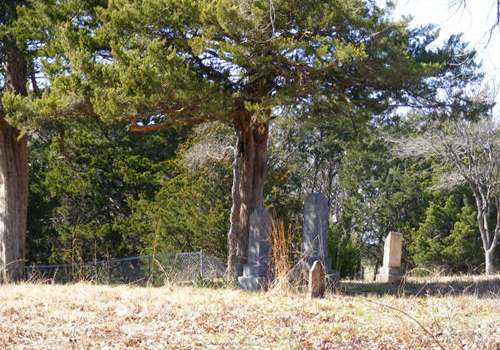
pixel 475 21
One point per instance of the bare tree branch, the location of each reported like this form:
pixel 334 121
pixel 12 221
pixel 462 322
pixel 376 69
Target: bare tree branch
pixel 473 150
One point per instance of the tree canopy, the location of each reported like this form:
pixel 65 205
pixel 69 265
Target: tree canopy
pixel 299 82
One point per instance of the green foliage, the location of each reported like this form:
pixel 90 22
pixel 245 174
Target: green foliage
pixel 189 212
pixel 462 246
pixel 329 72
pixel 98 191
pixel 84 178
pixel 448 237
pixel 378 194
pixel 345 251
pixel 194 61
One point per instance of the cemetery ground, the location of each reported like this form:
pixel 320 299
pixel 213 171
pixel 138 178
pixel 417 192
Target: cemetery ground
pixel 441 313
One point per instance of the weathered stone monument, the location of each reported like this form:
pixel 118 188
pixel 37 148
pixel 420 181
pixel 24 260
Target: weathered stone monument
pixel 317 281
pixel 315 231
pixel 390 270
pixel 256 270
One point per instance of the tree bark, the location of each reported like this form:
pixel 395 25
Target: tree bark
pixel 13 202
pixel 489 239
pixel 13 175
pixel 489 257
pixel 252 155
pixel 234 217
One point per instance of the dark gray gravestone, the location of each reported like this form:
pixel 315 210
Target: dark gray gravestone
pixel 315 231
pixel 256 270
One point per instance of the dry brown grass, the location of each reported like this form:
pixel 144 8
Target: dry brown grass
pixel 84 316
pixel 281 240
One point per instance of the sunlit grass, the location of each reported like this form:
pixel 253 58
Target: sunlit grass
pixel 85 316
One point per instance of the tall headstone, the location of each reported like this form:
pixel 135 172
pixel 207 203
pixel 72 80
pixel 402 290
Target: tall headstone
pixel 391 268
pixel 317 281
pixel 256 270
pixel 315 231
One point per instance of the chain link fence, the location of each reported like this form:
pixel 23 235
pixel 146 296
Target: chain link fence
pixel 158 269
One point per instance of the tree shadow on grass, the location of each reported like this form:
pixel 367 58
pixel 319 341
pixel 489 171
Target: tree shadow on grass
pixel 481 287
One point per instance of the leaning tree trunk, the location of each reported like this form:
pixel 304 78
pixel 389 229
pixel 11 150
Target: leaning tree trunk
pixel 13 174
pixel 252 158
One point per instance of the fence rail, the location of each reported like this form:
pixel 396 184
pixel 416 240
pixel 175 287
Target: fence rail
pixel 157 269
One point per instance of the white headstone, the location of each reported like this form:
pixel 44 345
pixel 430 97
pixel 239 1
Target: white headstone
pixel 390 270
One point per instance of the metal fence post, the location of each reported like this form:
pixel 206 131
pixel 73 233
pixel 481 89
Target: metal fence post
pixel 150 266
pixel 201 264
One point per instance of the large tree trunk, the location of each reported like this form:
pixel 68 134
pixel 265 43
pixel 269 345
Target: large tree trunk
pixel 13 175
pixel 252 158
pixel 13 202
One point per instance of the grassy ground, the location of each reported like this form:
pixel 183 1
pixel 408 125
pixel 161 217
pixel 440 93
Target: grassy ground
pixel 359 316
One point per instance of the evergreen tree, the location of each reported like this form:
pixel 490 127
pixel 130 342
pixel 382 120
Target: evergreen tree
pixel 463 244
pixel 468 150
pixel 86 181
pixel 164 63
pixel 15 71
pixel 448 237
pixel 379 193
pixel 345 251
pixel 428 243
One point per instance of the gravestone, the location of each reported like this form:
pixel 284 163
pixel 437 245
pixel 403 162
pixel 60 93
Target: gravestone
pixel 256 270
pixel 317 282
pixel 315 231
pixel 391 268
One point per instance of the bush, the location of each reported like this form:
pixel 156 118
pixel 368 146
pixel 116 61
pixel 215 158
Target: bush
pixel 345 251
